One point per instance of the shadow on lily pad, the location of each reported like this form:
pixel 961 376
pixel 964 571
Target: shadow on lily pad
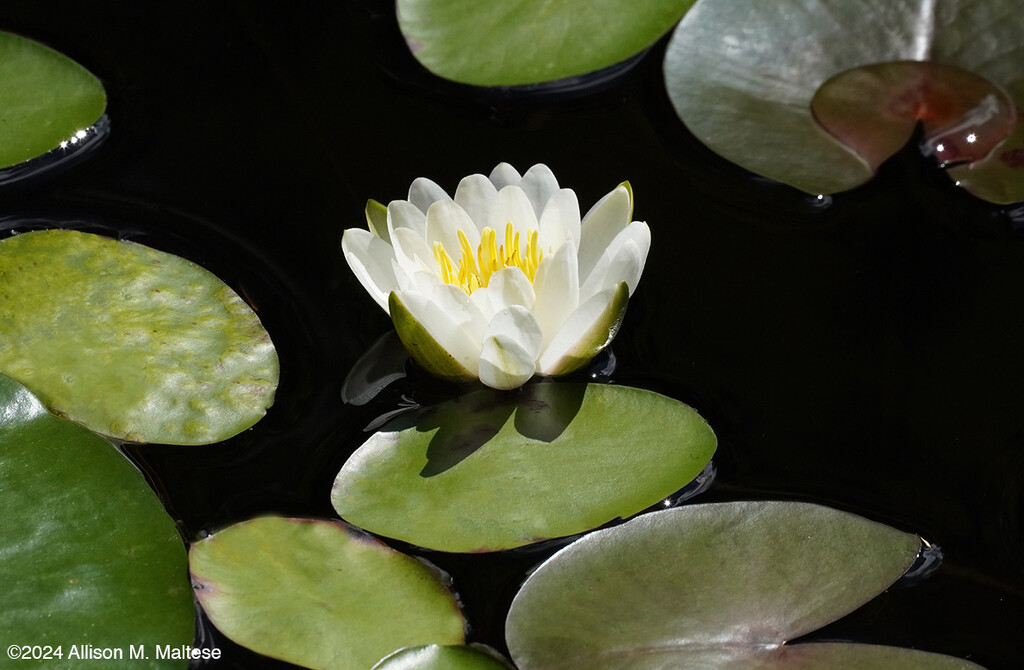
pixel 492 471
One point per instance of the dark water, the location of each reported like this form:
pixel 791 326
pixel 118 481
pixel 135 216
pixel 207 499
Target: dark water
pixel 865 351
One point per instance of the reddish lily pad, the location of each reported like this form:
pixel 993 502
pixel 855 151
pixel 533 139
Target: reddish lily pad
pixel 874 109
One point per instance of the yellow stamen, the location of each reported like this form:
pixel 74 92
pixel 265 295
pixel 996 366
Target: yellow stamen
pixel 475 270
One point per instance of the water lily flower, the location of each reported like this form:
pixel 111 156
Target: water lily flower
pixel 505 280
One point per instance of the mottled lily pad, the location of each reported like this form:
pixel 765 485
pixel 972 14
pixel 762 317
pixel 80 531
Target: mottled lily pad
pixel 530 41
pixel 47 99
pixel 494 470
pixel 437 657
pixel 742 77
pixel 129 341
pixel 317 594
pixel 89 559
pixel 719 586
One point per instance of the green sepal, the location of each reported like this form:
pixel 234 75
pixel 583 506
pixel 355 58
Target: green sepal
pixel 377 219
pixel 422 346
pixel 599 336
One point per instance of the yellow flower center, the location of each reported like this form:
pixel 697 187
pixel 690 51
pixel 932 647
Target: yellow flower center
pixel 475 270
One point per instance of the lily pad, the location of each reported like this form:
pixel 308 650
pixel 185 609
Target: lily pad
pixel 318 594
pixel 437 657
pixel 494 470
pixel 89 559
pixel 530 41
pixel 742 77
pixel 47 99
pixel 719 586
pixel 129 341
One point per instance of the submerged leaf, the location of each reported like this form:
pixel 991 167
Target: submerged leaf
pixel 320 595
pixel 742 77
pixel 47 99
pixel 713 586
pixel 88 556
pixel 129 341
pixel 493 470
pixel 530 41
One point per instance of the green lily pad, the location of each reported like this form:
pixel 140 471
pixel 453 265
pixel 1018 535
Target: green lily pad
pixel 89 559
pixel 47 99
pixel 318 594
pixel 493 470
pixel 742 77
pixel 437 657
pixel 131 342
pixel 719 586
pixel 530 41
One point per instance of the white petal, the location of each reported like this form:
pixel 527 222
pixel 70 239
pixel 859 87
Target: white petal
pixel 412 251
pixel 622 261
pixel 557 287
pixel 404 214
pixel 504 174
pixel 512 205
pixel 560 220
pixel 507 287
pixel 424 192
pixel 539 183
pixel 603 222
pixel 452 337
pixel 510 347
pixel 421 282
pixel 586 330
pixel 475 195
pixel 444 220
pixel 504 365
pixel 370 259
pixel 456 303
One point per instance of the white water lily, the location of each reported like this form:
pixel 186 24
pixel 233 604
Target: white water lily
pixel 504 280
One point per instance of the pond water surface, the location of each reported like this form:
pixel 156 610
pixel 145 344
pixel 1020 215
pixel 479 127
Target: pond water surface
pixel 863 351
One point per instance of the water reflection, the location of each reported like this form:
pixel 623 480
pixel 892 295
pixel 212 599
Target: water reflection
pixel 70 152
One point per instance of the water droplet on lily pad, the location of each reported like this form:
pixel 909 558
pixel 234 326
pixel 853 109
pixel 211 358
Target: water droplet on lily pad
pixel 131 342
